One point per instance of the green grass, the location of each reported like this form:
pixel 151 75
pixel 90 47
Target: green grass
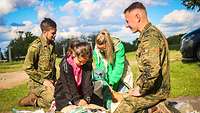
pixel 18 66
pixel 11 66
pixel 10 97
pixel 185 79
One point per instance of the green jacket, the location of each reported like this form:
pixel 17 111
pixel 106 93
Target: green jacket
pixel 113 72
pixel 40 60
pixel 153 63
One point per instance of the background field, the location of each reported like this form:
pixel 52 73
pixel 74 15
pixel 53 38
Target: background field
pixel 11 66
pixel 185 79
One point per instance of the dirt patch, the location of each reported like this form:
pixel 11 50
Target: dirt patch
pixel 193 101
pixel 12 79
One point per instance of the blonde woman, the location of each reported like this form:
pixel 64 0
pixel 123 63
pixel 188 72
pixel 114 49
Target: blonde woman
pixel 109 66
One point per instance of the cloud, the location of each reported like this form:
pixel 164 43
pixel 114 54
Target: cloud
pixel 91 16
pixel 9 33
pixel 16 24
pixel 3 45
pixel 179 21
pixel 2 21
pixel 8 6
pixel 3 29
pixel 154 2
pixel 69 34
pixel 98 13
pixel 86 16
pixel 43 12
pixel 68 21
pixel 69 8
pixel 125 34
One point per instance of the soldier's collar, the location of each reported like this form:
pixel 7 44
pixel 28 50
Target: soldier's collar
pixel 146 27
pixel 44 41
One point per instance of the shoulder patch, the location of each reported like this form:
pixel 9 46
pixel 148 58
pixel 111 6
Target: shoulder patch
pixel 116 43
pixel 115 40
pixel 36 43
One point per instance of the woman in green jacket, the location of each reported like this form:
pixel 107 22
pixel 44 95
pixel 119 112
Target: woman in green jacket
pixel 109 66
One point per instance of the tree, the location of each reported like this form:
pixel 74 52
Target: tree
pixel 191 4
pixel 1 55
pixel 19 46
pixel 174 41
pixel 63 43
pixel 59 45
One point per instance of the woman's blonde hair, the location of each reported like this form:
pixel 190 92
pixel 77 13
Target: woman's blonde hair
pixel 104 38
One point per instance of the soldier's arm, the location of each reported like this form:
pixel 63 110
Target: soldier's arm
pixel 30 64
pixel 151 63
pixel 54 66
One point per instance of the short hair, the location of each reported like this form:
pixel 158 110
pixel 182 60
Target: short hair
pixel 83 49
pixel 71 45
pixel 135 5
pixel 79 48
pixel 47 24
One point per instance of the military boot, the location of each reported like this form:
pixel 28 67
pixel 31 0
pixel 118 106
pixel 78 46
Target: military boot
pixel 29 100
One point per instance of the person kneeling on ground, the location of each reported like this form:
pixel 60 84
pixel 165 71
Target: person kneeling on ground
pixel 39 64
pixel 153 82
pixel 74 87
pixel 110 67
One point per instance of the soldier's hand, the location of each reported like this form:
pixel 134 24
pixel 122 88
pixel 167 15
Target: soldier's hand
pixel 48 84
pixel 135 92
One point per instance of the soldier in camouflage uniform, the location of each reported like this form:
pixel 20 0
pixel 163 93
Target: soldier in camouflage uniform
pixel 39 64
pixel 153 83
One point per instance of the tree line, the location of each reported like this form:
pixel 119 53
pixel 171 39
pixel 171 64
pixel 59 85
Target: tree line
pixel 19 46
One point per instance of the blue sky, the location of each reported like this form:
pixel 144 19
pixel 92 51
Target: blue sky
pixel 75 17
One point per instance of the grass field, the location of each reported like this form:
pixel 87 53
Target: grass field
pixel 185 77
pixel 185 81
pixel 11 66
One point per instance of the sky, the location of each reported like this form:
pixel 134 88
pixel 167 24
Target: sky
pixel 77 17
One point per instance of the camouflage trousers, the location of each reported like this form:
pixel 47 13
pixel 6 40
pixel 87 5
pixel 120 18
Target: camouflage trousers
pixel 44 94
pixel 133 104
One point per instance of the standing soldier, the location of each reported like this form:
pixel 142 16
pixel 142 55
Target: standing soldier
pixel 153 83
pixel 40 66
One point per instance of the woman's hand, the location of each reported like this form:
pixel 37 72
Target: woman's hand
pixel 82 102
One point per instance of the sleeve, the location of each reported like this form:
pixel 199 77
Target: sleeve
pixel 68 83
pixel 87 86
pixel 117 70
pixel 94 56
pixel 54 66
pixel 30 64
pixel 150 58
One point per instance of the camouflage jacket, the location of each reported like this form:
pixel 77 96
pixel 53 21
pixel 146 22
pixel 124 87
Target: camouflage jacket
pixel 153 63
pixel 40 60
